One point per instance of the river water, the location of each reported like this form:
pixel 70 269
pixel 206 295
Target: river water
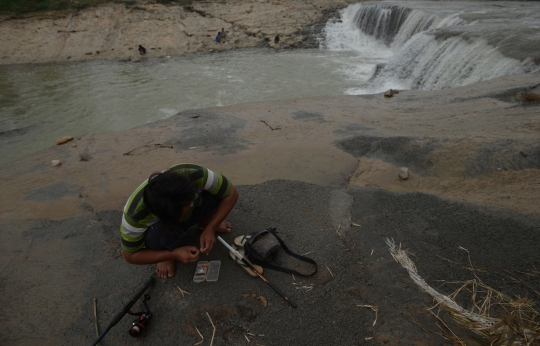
pixel 371 47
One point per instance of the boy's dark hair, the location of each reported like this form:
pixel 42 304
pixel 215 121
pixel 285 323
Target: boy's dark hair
pixel 166 194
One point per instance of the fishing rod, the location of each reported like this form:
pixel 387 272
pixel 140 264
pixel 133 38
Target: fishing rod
pixel 126 309
pixel 237 254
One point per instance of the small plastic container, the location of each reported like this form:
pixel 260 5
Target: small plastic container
pixel 213 271
pixel 200 271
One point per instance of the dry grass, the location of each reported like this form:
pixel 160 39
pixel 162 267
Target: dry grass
pixel 518 322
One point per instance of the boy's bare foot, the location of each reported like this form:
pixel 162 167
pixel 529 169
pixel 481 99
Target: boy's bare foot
pixel 165 269
pixel 225 227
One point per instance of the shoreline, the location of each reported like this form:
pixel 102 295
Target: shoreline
pixel 334 141
pixel 113 32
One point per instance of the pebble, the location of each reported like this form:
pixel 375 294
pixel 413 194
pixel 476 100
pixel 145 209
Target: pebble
pixel 390 92
pixel 55 163
pixel 64 139
pixel 404 174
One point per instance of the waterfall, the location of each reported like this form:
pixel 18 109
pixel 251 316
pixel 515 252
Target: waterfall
pixel 413 49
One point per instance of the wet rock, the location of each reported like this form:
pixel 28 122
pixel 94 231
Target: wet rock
pixel 64 139
pixel 390 92
pixel 530 96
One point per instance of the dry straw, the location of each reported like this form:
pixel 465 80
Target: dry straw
pixel 519 326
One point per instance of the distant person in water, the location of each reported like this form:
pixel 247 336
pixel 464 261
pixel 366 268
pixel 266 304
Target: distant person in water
pixel 276 39
pixel 170 210
pixel 218 37
pixel 142 50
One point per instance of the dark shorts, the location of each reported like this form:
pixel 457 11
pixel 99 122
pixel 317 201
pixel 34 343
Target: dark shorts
pixel 160 237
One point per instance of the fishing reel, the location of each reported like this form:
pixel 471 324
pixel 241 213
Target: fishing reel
pixel 138 327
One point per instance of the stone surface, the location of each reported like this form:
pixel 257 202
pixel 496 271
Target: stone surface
pixel 389 93
pixel 404 173
pixel 114 32
pixel 63 140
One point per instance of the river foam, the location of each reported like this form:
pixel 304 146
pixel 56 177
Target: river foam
pixel 420 46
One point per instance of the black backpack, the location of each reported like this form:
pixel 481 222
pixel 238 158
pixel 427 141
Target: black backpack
pixel 262 248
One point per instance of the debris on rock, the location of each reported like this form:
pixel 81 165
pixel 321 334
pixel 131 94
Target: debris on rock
pixel 64 139
pixel 263 301
pixel 530 96
pixel 516 327
pixel 404 174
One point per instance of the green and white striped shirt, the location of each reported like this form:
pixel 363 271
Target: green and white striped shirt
pixel 137 218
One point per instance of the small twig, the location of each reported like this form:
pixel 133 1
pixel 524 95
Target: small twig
pixel 372 252
pixel 415 321
pixel 410 253
pixel 21 250
pixel 374 308
pixel 354 224
pixel 329 271
pixel 95 318
pixel 202 337
pixel 470 261
pixel 307 253
pixel 525 273
pixel 154 146
pixel 349 249
pixel 182 291
pixel 518 279
pixel 338 232
pixel 245 336
pixel 456 338
pixel 271 128
pixel 214 331
pixel 468 268
pixel 446 259
pixel 306 288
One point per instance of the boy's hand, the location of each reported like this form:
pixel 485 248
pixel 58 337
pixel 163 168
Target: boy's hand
pixel 207 241
pixel 187 254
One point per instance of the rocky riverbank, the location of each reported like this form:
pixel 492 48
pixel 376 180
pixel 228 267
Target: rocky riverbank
pixel 114 32
pixel 474 179
pixel 325 171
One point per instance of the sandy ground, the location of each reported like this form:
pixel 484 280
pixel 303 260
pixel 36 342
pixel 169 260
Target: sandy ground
pixel 309 167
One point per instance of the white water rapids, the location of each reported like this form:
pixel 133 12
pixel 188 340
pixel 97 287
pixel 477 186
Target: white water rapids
pixel 436 45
